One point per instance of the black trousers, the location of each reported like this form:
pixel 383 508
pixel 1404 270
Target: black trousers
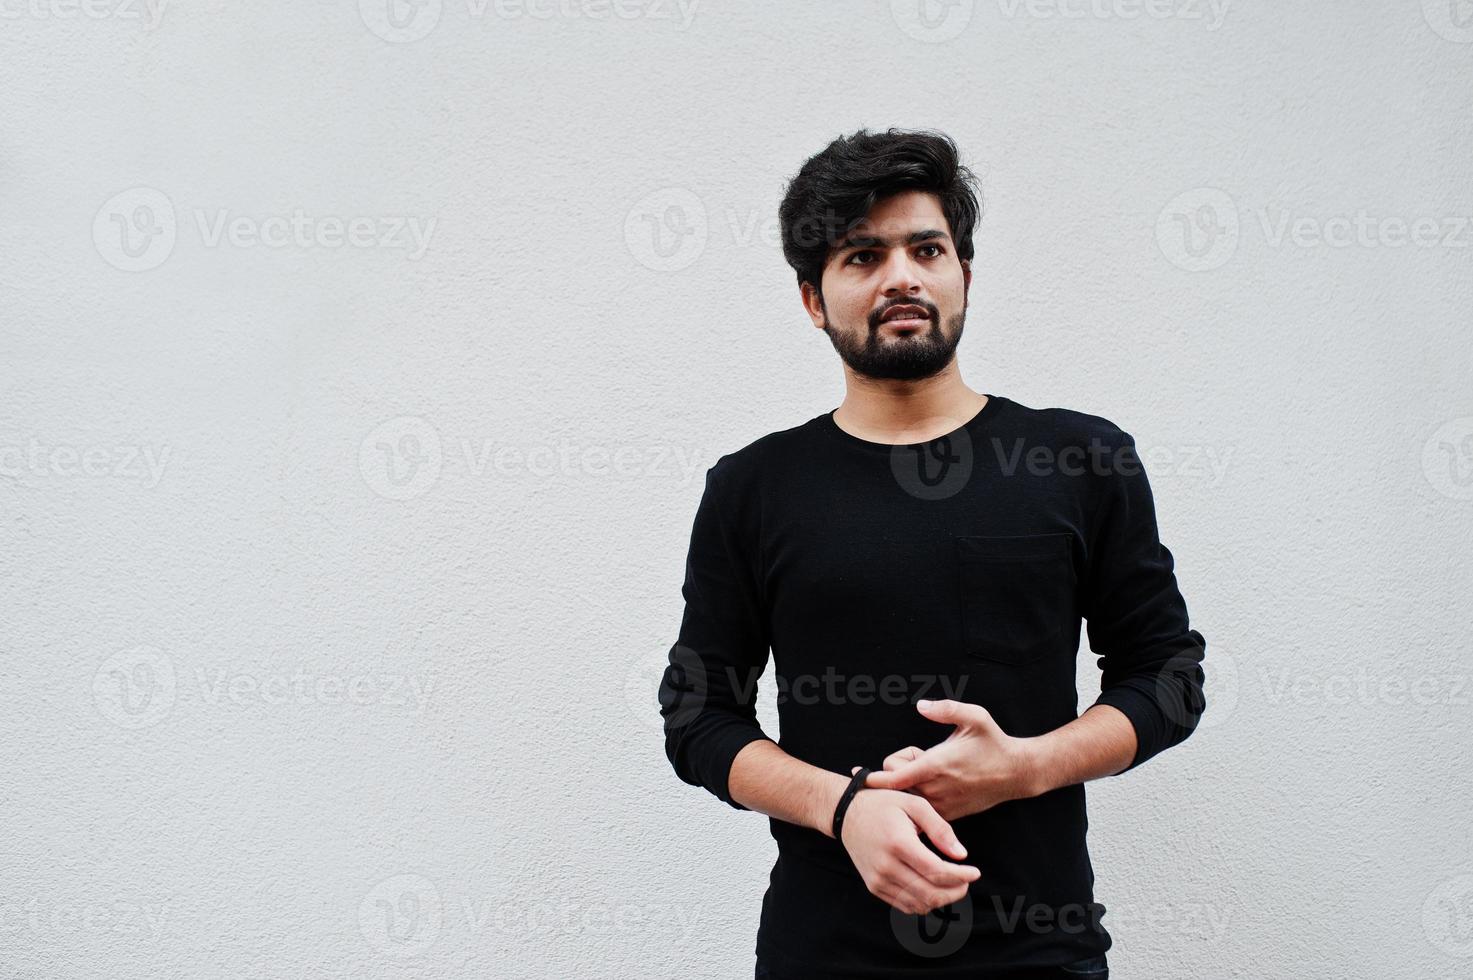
pixel 1093 968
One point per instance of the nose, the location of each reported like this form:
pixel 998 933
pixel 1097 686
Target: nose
pixel 901 277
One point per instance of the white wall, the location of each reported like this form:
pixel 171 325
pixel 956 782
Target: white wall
pixel 253 686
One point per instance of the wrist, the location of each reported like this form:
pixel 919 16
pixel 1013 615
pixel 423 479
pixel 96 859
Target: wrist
pixel 830 788
pixel 1035 770
pixel 852 789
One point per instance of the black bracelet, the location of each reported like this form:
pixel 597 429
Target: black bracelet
pixel 856 783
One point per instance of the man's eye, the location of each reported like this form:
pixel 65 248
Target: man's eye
pixel 851 261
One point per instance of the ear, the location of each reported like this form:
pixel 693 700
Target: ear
pixel 966 278
pixel 812 304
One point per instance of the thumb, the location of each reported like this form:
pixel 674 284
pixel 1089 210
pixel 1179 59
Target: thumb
pixel 959 713
pixel 947 711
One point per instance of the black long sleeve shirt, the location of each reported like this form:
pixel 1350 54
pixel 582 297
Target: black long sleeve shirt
pixel 960 568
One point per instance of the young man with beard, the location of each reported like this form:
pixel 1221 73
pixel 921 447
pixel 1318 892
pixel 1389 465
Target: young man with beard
pixel 919 561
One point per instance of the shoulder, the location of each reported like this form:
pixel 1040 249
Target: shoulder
pixel 1062 428
pixel 1071 451
pixel 739 470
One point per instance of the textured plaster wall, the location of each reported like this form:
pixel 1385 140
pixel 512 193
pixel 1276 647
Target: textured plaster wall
pixel 361 367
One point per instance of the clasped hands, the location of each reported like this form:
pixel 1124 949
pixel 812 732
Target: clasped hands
pixel 973 769
pixel 920 792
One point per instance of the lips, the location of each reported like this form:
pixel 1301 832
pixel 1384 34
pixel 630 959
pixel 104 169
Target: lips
pixel 905 312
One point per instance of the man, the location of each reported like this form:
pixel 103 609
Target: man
pixel 919 561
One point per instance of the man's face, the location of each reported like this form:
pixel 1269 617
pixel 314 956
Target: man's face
pixel 901 255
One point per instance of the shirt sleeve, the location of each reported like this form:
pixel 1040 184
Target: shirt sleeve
pixel 1150 658
pixel 708 689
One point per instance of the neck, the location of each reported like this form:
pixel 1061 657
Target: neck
pixel 906 411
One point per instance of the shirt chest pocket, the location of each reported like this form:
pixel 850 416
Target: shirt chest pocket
pixel 1017 594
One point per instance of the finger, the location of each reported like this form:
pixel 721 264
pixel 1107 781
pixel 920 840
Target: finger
pixel 897 759
pixel 921 860
pixel 908 892
pixel 907 775
pixel 918 896
pixel 939 873
pixel 937 830
pixel 901 899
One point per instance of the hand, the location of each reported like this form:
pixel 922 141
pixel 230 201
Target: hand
pixel 977 766
pixel 881 832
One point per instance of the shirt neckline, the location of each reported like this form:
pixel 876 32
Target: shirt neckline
pixel 984 415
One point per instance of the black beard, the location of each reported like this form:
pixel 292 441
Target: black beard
pixel 907 358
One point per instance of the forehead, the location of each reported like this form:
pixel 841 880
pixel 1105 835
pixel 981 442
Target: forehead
pixel 904 212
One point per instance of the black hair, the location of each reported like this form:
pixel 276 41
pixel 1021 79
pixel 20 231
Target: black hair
pixel 836 188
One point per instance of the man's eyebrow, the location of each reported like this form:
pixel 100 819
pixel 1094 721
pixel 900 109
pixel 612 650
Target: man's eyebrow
pixel 871 241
